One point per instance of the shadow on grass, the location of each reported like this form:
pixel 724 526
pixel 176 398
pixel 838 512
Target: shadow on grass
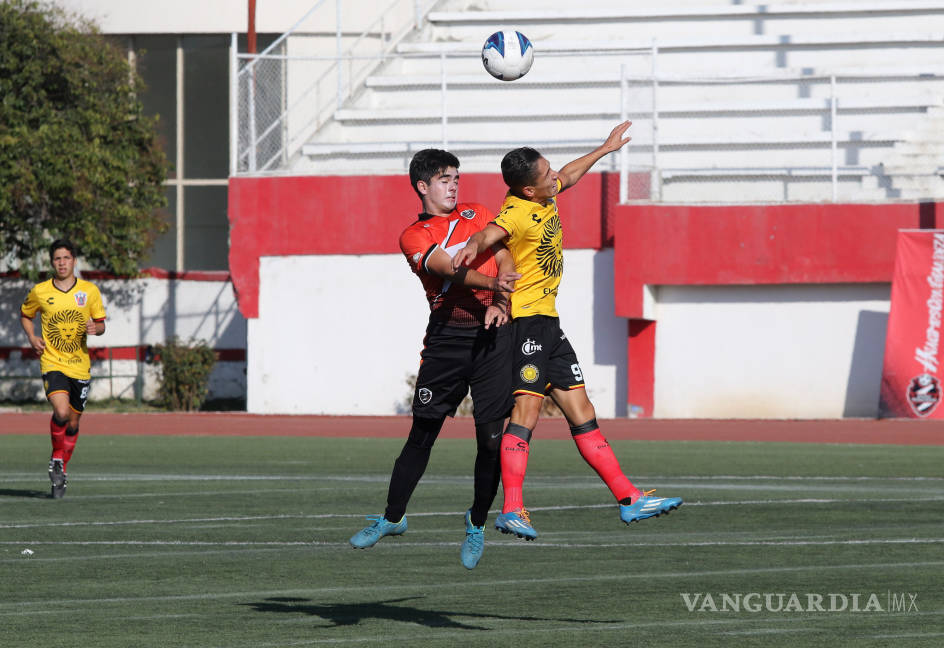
pixel 345 614
pixel 16 492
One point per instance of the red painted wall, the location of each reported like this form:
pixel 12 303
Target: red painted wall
pixel 361 215
pixel 762 244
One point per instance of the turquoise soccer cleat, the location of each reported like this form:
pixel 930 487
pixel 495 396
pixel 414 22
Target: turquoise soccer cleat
pixel 647 506
pixel 368 536
pixel 518 523
pixel 474 544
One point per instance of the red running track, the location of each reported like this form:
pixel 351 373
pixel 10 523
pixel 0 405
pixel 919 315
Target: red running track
pixel 888 431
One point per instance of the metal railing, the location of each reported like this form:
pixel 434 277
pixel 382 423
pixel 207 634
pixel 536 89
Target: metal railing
pixel 274 107
pixel 647 95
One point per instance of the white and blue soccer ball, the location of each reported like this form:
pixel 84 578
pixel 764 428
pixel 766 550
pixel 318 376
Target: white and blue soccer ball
pixel 507 55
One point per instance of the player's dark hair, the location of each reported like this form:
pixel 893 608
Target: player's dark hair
pixel 63 243
pixel 427 163
pixel 519 167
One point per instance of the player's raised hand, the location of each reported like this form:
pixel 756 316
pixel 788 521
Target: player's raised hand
pixel 616 141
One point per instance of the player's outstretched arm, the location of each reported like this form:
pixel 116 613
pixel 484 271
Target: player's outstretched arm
pixel 571 172
pixel 440 265
pixel 481 240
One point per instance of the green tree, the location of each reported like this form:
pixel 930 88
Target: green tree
pixel 78 157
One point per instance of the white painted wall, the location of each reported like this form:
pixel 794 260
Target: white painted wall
pixel 218 16
pixel 139 312
pixel 346 344
pixel 340 334
pixel 800 351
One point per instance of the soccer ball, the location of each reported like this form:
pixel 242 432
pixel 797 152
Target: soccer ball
pixel 507 55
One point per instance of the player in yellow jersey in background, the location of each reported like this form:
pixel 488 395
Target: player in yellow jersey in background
pixel 545 363
pixel 71 310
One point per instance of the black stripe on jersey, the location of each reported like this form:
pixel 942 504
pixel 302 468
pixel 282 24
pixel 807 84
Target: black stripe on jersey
pixel 426 256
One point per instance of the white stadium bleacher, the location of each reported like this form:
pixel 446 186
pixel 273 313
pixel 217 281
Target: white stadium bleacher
pixel 764 93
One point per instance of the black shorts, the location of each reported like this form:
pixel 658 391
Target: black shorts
pixel 456 360
pixel 56 381
pixel 543 357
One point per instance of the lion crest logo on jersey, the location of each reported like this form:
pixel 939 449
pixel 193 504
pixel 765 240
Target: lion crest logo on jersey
pixel 549 250
pixel 468 214
pixel 924 393
pixel 80 299
pixel 64 330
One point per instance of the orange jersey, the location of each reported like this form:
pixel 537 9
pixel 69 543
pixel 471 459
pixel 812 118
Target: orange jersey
pixel 450 303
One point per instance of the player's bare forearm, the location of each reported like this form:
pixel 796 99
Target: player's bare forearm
pixel 94 328
pixel 571 172
pixel 440 265
pixel 36 343
pixel 506 267
pixel 479 241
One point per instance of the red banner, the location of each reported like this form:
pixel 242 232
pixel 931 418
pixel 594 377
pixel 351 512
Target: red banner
pixel 914 357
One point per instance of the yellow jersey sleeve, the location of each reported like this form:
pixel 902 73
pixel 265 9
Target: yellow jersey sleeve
pixel 512 218
pixel 96 307
pixel 30 304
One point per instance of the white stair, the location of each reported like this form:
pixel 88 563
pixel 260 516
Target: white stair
pixel 914 168
pixel 719 134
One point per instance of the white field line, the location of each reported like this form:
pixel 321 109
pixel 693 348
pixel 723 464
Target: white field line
pixel 325 516
pixel 534 543
pixel 40 475
pixel 379 589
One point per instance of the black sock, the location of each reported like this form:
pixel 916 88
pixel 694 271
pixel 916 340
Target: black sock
pixel 487 469
pixel 410 465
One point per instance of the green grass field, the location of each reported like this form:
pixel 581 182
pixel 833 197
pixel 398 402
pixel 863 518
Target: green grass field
pixel 242 542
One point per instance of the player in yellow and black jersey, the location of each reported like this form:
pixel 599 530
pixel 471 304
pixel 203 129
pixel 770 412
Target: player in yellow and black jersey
pixel 545 362
pixel 70 310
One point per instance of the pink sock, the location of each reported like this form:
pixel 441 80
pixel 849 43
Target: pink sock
pixel 597 452
pixel 514 464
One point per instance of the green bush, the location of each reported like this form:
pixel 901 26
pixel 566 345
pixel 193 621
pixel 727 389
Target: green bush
pixel 186 373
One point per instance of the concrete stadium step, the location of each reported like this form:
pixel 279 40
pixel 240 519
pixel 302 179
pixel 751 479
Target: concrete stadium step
pixel 491 109
pixel 658 10
pixel 879 39
pixel 670 20
pixel 921 75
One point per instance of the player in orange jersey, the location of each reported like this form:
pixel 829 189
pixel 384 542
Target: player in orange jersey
pixel 545 361
pixel 71 310
pixel 467 346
